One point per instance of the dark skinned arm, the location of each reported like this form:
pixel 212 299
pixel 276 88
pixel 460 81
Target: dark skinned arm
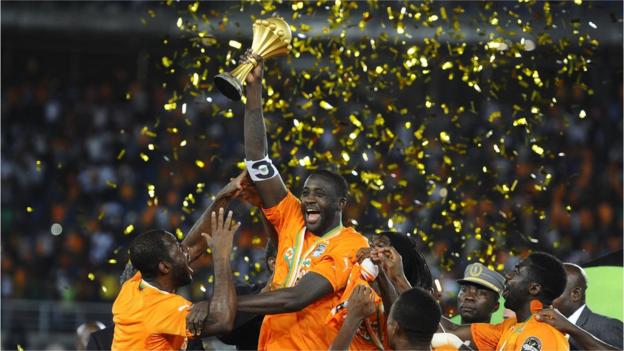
pixel 272 190
pixel 361 305
pixel 269 229
pixel 461 331
pixel 582 337
pixel 310 288
pixel 388 292
pixel 216 316
pixel 390 262
pixel 193 240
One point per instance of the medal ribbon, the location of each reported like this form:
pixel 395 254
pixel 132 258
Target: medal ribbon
pixel 297 255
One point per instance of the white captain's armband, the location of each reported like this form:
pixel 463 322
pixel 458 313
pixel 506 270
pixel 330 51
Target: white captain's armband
pixel 261 169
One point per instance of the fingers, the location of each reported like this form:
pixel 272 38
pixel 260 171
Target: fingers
pixel 220 219
pixel 228 221
pixel 213 222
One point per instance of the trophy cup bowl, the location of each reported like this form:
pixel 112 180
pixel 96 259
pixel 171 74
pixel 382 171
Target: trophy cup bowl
pixel 271 37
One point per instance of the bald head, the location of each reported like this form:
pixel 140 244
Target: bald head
pixel 573 296
pixel 576 275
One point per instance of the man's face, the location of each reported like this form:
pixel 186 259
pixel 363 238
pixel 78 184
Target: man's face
pixel 319 204
pixel 379 241
pixel 182 273
pixel 476 303
pixel 516 292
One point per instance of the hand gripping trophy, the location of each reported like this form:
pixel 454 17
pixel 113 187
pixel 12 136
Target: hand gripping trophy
pixel 271 37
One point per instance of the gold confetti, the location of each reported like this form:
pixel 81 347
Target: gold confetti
pixel 235 44
pixel 29 209
pixel 91 276
pixel 200 163
pixel 445 137
pixel 537 149
pixel 129 229
pixel 326 105
pixel 112 261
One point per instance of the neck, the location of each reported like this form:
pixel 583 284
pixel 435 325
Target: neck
pixel 161 284
pixel 332 225
pixel 523 313
pixel 406 345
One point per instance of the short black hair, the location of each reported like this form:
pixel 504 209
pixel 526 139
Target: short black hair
pixel 338 182
pixel 418 314
pixel 415 266
pixel 548 271
pixel 149 249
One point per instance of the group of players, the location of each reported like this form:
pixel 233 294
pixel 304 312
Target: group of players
pixel 333 288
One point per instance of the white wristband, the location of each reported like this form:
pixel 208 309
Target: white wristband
pixel 261 169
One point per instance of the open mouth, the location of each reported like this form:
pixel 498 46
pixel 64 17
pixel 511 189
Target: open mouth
pixel 312 216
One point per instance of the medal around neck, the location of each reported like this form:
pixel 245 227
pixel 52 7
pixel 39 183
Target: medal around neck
pixel 271 37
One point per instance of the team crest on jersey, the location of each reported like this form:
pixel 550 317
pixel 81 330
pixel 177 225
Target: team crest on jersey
pixel 531 344
pixel 319 250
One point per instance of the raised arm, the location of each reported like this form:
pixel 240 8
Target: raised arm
pixel 218 316
pixel 390 262
pixel 271 188
pixel 193 239
pixel 310 288
pixel 582 337
pixel 461 331
pixel 360 305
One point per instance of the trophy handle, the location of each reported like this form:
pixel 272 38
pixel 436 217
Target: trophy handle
pixel 229 86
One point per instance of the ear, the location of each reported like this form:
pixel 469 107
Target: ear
pixel 271 263
pixel 576 294
pixel 391 327
pixel 535 288
pixel 342 202
pixel 164 267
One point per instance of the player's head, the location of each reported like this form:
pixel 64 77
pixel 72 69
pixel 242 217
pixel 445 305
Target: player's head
pixel 573 296
pixel 540 276
pixel 478 293
pixel 323 197
pixel 413 319
pixel 157 254
pixel 414 265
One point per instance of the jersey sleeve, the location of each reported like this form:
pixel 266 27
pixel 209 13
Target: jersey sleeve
pixel 170 317
pixel 486 336
pixel 286 210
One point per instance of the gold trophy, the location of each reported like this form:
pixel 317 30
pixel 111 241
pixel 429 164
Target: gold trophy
pixel 271 37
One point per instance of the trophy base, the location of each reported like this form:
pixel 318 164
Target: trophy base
pixel 229 86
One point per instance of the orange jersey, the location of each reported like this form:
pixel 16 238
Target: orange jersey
pixel 372 332
pixel 298 253
pixel 147 318
pixel 509 335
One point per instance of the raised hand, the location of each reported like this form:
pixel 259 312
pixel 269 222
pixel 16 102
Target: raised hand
pixel 389 260
pixel 361 303
pixel 255 76
pixel 248 191
pixel 196 317
pixel 554 318
pixel 222 234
